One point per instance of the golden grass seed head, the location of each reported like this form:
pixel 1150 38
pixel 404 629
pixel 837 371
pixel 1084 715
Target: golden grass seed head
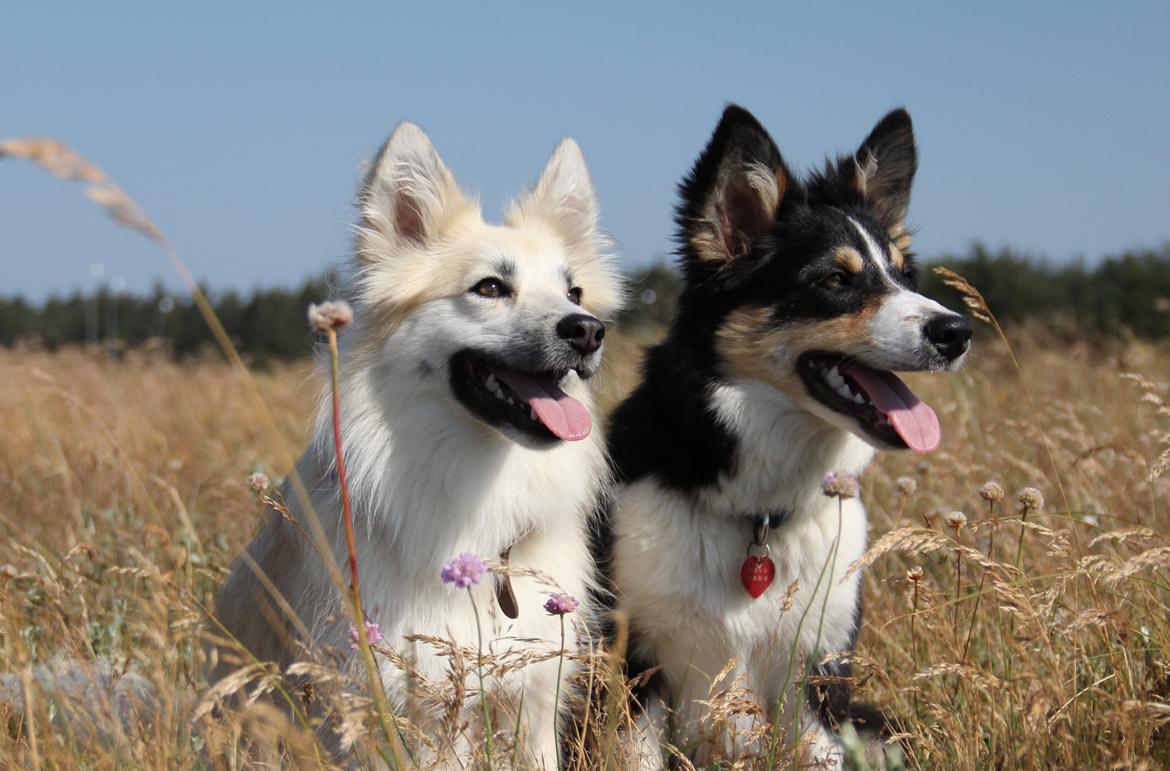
pixel 906 485
pixel 956 520
pixel 914 574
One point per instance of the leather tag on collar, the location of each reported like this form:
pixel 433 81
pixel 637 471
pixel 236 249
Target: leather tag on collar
pixel 505 596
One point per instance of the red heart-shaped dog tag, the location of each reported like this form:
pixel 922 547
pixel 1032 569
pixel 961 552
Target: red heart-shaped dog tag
pixel 757 573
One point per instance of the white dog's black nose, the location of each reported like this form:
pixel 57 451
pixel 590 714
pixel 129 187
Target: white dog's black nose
pixel 950 335
pixel 583 332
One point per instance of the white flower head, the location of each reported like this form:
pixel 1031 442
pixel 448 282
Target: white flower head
pixel 991 491
pixel 334 315
pixel 1031 499
pixel 956 519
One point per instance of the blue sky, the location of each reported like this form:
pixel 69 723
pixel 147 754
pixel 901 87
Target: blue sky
pixel 241 127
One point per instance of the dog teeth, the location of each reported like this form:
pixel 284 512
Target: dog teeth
pixel 532 413
pixel 843 389
pixel 835 380
pixel 509 400
pixel 494 388
pixel 859 398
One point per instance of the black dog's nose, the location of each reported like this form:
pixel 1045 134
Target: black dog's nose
pixel 950 335
pixel 583 332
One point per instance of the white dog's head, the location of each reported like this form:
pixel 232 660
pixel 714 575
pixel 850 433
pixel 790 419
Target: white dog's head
pixel 503 317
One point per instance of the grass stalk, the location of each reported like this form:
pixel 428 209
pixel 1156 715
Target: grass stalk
pixel 982 579
pixel 557 695
pixel 483 701
pixel 395 741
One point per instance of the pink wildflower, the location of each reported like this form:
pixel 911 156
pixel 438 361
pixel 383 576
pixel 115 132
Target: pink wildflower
pixel 463 571
pixel 373 635
pixel 560 604
pixel 840 484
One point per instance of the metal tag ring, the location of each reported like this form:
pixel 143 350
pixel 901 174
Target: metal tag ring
pixel 767 550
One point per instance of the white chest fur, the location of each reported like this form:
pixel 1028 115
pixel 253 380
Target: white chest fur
pixel 423 493
pixel 677 558
pixel 678 568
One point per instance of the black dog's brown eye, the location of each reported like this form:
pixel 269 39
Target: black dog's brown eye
pixel 836 280
pixel 492 287
pixel 575 295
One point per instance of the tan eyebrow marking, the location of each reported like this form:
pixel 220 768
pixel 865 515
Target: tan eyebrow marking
pixel 897 259
pixel 849 259
pixel 900 236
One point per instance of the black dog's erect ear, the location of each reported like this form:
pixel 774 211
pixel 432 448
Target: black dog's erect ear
pixel 734 192
pixel 883 170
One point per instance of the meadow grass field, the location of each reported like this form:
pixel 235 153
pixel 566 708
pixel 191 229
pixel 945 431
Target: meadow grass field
pixel 1017 604
pixel 1034 635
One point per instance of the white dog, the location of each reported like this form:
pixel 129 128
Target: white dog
pixel 467 428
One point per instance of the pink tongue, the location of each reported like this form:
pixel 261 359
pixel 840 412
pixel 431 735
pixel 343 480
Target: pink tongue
pixel 912 418
pixel 566 417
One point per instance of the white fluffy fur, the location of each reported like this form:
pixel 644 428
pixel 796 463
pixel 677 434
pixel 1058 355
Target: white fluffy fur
pixel 678 559
pixel 429 480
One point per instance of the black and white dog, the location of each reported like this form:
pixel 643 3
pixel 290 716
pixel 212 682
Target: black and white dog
pixel 798 303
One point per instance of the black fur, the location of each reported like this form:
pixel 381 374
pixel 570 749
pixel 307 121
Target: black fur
pixel 665 427
pixel 770 258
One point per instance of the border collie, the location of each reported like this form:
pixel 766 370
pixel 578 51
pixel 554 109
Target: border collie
pixel 467 428
pixel 798 304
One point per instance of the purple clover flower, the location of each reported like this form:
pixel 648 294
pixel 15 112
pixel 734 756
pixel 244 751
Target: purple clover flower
pixel 560 604
pixel 463 571
pixel 840 484
pixel 373 634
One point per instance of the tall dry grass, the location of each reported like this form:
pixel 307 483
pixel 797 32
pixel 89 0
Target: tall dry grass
pixel 122 500
pixel 1028 636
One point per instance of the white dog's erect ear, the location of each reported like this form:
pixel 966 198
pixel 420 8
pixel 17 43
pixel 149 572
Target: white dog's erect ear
pixel 564 197
pixel 564 202
pixel 408 194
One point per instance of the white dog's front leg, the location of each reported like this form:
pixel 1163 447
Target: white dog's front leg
pixel 538 735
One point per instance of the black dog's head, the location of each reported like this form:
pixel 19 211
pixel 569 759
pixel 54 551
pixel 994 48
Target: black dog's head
pixel 809 285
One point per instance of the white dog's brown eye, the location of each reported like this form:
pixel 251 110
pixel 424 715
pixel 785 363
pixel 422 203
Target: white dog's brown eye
pixel 492 287
pixel 575 295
